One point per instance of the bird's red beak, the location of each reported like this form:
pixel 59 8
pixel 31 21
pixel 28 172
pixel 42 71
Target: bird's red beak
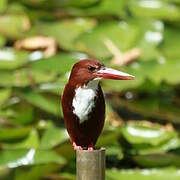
pixel 109 73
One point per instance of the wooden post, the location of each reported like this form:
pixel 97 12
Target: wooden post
pixel 90 165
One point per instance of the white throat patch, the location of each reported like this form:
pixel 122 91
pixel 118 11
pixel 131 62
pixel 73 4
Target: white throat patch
pixel 83 101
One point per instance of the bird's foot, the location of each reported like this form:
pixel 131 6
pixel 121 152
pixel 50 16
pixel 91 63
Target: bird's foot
pixel 91 147
pixel 76 147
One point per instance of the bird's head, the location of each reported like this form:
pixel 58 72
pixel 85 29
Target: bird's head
pixel 87 70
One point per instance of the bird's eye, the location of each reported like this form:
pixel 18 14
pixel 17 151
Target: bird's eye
pixel 91 68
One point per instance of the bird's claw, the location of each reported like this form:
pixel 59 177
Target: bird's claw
pixel 76 147
pixel 90 148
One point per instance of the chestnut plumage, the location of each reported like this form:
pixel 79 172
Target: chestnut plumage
pixel 83 101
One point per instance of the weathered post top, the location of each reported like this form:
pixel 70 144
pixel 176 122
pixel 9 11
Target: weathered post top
pixel 90 165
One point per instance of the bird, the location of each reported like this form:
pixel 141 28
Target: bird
pixel 83 102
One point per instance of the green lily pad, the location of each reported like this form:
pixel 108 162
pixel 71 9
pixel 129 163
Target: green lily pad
pixel 66 31
pixel 6 114
pixel 14 26
pixel 32 141
pixel 171 144
pixel 57 4
pixel 155 9
pixel 66 150
pixel 20 116
pixel 2 41
pixel 53 136
pixel 171 44
pixel 82 3
pixel 115 150
pixel 4 95
pixel 122 35
pixel 24 77
pixel 16 8
pixel 108 137
pixel 52 87
pixel 143 174
pixel 37 171
pixel 153 107
pixel 20 157
pixel 156 71
pixel 61 63
pixel 3 5
pixel 157 160
pixel 67 176
pixel 153 135
pixel 43 102
pixel 150 37
pixel 7 134
pixel 103 8
pixel 11 59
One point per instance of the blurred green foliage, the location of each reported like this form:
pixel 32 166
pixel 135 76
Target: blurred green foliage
pixel 33 140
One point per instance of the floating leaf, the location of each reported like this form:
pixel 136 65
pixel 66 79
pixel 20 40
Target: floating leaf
pixel 67 176
pixel 4 95
pixel 24 77
pixel 20 157
pixel 56 88
pixel 103 8
pixel 155 9
pixel 115 150
pixel 66 150
pixel 150 37
pixel 21 116
pixel 136 133
pixel 58 4
pixel 171 43
pixel 81 3
pixel 44 103
pixel 171 144
pixel 2 41
pixel 3 5
pixel 14 26
pixel 16 8
pixel 37 171
pixel 11 59
pixel 61 63
pixel 13 133
pixel 47 156
pixel 158 160
pixel 153 107
pixel 108 137
pixel 32 141
pixel 53 136
pixel 73 29
pixel 156 71
pixel 144 174
pixel 122 35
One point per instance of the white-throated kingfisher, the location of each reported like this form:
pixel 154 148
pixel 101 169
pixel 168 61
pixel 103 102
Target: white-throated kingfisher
pixel 83 101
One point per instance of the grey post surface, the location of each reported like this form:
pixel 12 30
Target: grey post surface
pixel 90 165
